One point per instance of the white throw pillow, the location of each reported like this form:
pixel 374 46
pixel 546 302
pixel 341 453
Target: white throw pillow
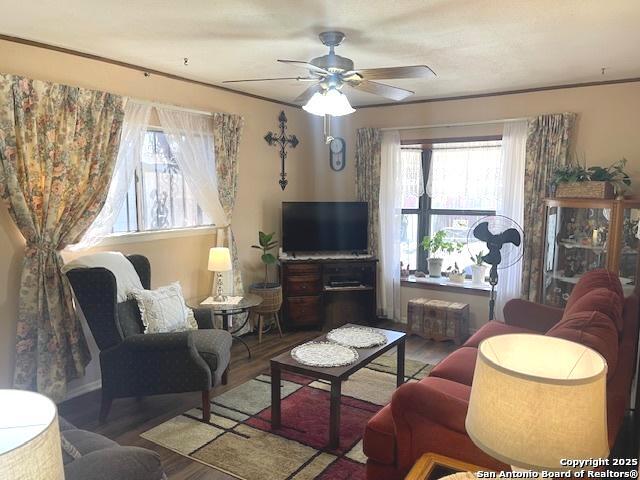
pixel 127 278
pixel 164 310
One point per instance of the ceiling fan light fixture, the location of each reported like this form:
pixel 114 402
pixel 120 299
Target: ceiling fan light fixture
pixel 332 102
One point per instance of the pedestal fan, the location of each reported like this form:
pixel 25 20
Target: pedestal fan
pixel 503 237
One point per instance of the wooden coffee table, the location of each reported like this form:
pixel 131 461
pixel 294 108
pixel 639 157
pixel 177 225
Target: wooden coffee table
pixel 335 375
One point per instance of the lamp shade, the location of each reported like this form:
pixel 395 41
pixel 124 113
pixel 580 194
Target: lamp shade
pixel 29 437
pixel 219 259
pixel 536 400
pixel 330 102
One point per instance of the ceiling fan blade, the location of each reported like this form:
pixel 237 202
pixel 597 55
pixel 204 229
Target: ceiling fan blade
pixel 387 91
pixel 300 79
pixel 413 71
pixel 308 93
pixel 306 65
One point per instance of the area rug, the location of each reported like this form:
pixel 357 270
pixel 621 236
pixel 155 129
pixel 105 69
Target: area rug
pixel 239 441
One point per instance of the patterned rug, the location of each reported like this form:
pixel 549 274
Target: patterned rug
pixel 239 441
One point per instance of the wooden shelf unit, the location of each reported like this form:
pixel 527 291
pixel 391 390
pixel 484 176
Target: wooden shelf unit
pixel 310 301
pixel 561 251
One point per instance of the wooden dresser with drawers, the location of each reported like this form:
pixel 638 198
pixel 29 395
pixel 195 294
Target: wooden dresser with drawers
pixel 327 293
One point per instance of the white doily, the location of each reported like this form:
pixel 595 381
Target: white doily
pixel 324 354
pixel 357 337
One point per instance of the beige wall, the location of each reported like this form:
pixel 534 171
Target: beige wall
pixel 184 259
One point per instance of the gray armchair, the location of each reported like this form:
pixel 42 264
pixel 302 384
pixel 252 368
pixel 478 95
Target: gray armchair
pixel 136 364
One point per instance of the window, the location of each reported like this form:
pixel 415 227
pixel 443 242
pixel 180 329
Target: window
pixel 158 198
pixel 462 187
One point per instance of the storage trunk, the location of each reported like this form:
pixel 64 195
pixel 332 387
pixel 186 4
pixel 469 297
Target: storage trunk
pixel 438 320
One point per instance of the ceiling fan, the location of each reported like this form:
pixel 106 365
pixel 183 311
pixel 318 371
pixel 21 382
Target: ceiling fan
pixel 330 73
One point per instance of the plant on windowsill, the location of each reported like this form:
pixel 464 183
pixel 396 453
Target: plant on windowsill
pixel 438 245
pixel 478 268
pixel 574 180
pixel 271 292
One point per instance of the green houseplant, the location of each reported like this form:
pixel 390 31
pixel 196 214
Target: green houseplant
pixel 438 244
pixel 478 268
pixel 571 180
pixel 271 292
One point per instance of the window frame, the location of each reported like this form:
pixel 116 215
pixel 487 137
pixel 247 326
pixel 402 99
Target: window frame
pixel 424 210
pixel 140 204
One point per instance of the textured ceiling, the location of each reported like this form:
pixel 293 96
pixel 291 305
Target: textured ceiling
pixel 474 46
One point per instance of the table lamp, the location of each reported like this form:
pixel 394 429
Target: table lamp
pixel 29 437
pixel 536 400
pixel 219 261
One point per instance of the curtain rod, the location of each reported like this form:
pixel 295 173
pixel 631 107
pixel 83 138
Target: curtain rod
pixel 172 107
pixel 461 124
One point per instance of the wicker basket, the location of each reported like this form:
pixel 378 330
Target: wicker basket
pixel 271 298
pixel 585 190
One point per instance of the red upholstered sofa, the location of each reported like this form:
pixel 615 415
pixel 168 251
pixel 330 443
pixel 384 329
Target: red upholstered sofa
pixel 429 416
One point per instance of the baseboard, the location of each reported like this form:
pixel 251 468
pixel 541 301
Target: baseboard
pixel 82 389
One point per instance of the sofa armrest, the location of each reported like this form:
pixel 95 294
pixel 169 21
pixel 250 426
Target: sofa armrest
pixel 531 315
pixel 204 318
pixel 159 342
pixel 424 400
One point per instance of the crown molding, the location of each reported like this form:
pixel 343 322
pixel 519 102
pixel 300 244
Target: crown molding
pixel 90 56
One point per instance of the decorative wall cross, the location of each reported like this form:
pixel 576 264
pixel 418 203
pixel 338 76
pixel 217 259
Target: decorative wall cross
pixel 282 141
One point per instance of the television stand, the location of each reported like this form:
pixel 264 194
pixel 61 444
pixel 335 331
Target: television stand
pixel 325 292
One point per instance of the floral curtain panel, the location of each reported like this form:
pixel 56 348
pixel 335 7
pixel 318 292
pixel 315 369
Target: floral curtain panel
pixel 548 145
pixel 227 132
pixel 368 161
pixel 58 147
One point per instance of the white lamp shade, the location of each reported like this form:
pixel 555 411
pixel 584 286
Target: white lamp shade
pixel 29 437
pixel 219 259
pixel 331 102
pixel 536 400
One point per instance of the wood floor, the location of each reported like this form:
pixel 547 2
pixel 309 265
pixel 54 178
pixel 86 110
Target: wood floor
pixel 130 417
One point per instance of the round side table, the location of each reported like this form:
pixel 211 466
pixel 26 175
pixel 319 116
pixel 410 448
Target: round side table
pixel 226 310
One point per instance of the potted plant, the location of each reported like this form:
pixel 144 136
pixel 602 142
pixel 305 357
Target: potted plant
pixel 455 275
pixel 271 292
pixel 435 245
pixel 478 268
pixel 574 180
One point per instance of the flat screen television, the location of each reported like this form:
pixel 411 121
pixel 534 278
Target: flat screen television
pixel 325 226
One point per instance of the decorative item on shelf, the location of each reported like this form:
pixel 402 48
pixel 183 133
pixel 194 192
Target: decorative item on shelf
pixel 514 412
pixel 630 233
pixel 575 181
pixel 282 141
pixel 478 268
pixel 337 154
pixel 435 245
pixel 29 437
pixel 404 272
pixel 219 261
pixel 455 275
pixel 324 354
pixel 271 292
pixel 504 248
pixel 357 337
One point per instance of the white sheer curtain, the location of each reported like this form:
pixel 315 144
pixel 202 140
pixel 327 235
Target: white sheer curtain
pixel 134 127
pixel 511 204
pixel 390 221
pixel 190 137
